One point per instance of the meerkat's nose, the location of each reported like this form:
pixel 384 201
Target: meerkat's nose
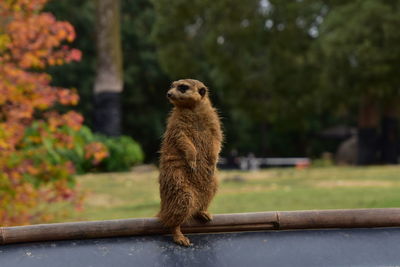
pixel 169 95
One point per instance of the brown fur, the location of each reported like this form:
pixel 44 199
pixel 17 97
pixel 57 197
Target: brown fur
pixel 189 154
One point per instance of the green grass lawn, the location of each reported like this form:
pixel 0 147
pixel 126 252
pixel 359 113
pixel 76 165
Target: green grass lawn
pixel 135 194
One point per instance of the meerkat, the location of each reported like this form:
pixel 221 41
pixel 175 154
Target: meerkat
pixel 189 154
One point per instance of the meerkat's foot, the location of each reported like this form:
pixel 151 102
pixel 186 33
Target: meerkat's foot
pixel 179 238
pixel 182 240
pixel 204 216
pixel 192 165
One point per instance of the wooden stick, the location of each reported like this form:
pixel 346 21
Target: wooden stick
pixel 274 220
pixel 357 218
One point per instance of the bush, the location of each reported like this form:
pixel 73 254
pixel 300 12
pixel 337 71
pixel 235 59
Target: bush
pixel 123 151
pixel 98 153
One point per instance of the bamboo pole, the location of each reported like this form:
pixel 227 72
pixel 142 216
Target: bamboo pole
pixel 352 218
pixel 274 220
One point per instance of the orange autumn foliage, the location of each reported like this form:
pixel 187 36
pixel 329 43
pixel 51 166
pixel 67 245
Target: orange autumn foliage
pixel 31 175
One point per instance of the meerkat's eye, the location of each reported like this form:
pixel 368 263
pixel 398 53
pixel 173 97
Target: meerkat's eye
pixel 202 91
pixel 183 88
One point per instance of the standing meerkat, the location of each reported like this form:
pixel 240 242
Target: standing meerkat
pixel 189 155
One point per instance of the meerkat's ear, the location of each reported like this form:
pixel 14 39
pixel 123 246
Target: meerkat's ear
pixel 202 91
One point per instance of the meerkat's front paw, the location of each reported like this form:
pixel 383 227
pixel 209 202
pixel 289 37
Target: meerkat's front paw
pixel 192 165
pixel 205 216
pixel 182 240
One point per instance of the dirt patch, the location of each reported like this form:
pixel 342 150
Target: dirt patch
pixel 354 183
pixel 256 175
pixel 102 200
pixel 145 168
pixel 247 189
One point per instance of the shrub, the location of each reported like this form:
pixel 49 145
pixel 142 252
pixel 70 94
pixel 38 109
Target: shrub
pixel 32 172
pixel 123 151
pixel 98 153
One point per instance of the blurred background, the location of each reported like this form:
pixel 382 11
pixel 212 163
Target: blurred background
pixel 308 92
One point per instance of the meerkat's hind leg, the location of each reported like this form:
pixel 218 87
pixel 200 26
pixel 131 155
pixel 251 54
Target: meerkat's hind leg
pixel 204 216
pixel 179 238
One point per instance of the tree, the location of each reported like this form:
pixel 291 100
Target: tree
pixel 109 81
pixel 272 72
pixel 255 53
pixel 144 105
pixel 360 59
pixel 31 172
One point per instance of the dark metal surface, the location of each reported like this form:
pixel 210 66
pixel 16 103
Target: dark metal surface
pixel 342 247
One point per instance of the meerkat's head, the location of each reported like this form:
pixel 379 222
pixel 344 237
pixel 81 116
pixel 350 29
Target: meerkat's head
pixel 187 93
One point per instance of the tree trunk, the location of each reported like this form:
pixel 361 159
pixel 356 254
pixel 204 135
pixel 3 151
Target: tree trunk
pixel 368 138
pixel 109 81
pixel 390 134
